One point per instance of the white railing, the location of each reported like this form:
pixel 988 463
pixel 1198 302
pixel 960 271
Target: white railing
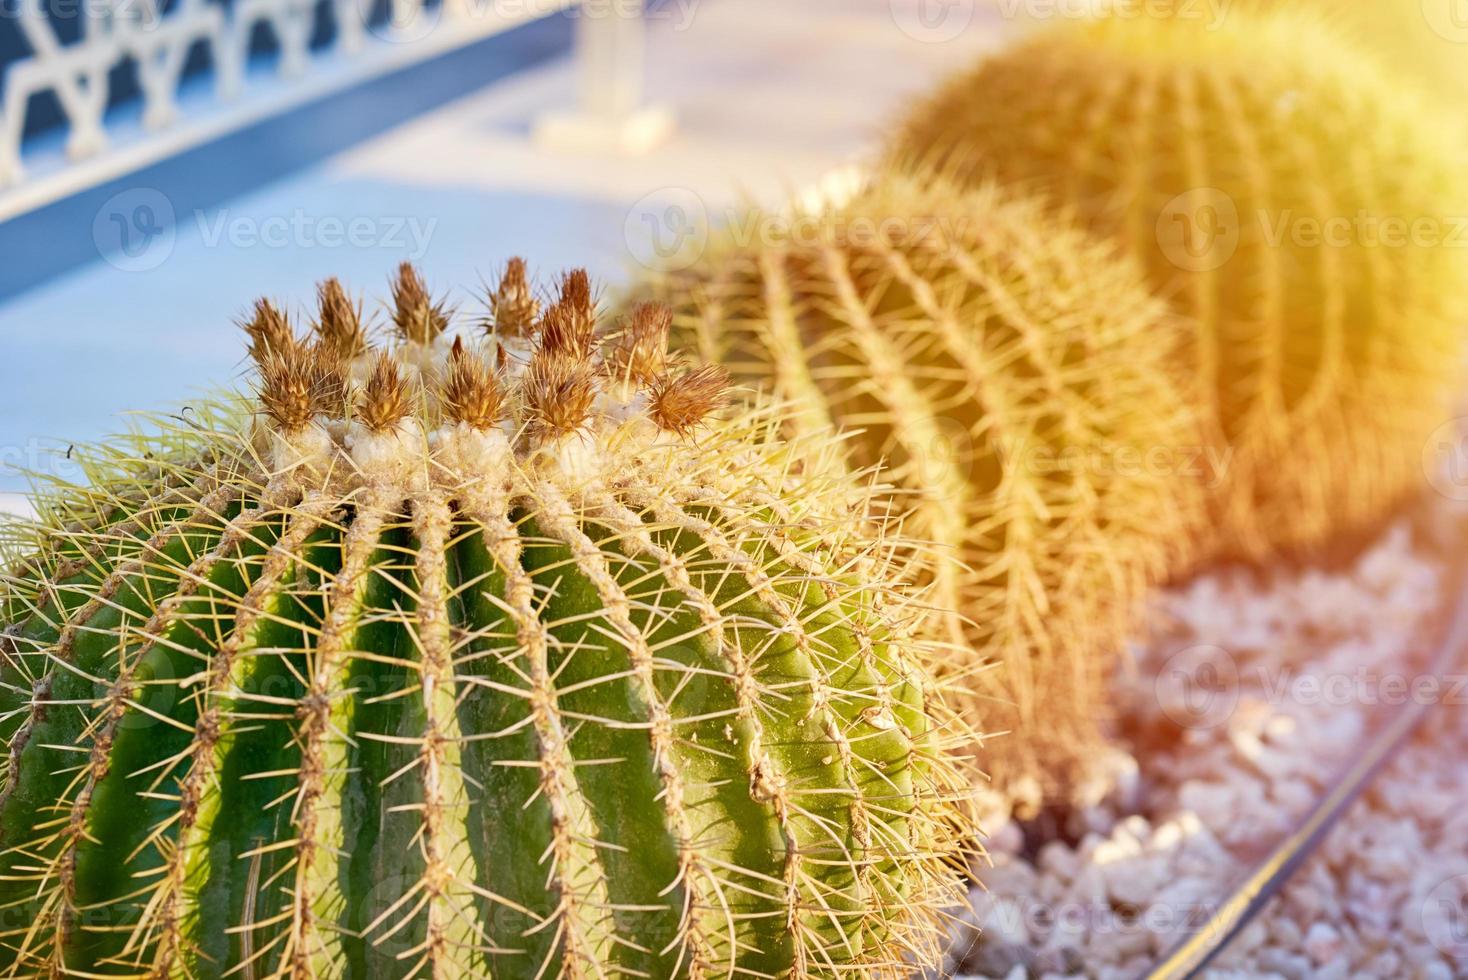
pixel 176 115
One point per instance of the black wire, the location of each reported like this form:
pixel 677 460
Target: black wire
pixel 1191 956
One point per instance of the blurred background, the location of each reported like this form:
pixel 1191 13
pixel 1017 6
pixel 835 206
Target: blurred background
pixel 165 162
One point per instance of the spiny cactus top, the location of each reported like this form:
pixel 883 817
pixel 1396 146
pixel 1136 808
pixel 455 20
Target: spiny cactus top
pixel 1017 380
pixel 470 658
pixel 1308 211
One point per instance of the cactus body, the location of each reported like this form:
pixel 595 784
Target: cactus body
pixel 1015 378
pixel 1304 210
pixel 1425 41
pixel 468 662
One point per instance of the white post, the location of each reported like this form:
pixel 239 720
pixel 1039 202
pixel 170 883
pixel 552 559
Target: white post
pixel 611 48
pixel 612 116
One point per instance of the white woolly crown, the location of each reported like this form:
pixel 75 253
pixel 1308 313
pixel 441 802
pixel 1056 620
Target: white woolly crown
pixel 541 384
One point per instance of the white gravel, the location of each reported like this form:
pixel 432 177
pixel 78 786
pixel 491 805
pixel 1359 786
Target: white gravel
pixel 1248 700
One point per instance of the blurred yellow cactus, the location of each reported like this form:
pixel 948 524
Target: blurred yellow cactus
pixel 1016 378
pixel 1306 210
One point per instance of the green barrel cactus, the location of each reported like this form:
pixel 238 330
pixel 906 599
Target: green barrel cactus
pixel 495 657
pixel 1304 209
pixel 1016 381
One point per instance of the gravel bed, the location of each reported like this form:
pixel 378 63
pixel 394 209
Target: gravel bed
pixel 1245 703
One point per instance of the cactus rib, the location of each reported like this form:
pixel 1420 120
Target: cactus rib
pixel 954 335
pixel 492 656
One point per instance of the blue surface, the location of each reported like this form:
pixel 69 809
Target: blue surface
pixel 48 242
pixel 105 337
pixel 122 87
pixel 124 296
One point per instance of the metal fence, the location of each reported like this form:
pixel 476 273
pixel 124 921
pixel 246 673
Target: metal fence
pixel 103 87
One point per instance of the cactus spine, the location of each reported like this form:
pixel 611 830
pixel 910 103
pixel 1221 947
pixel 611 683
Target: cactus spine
pixel 1297 204
pixel 470 660
pixel 1015 378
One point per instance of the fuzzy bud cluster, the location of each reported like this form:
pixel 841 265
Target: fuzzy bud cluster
pixel 542 370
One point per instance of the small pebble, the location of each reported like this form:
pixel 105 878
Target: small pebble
pixel 1322 943
pixel 1164 831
